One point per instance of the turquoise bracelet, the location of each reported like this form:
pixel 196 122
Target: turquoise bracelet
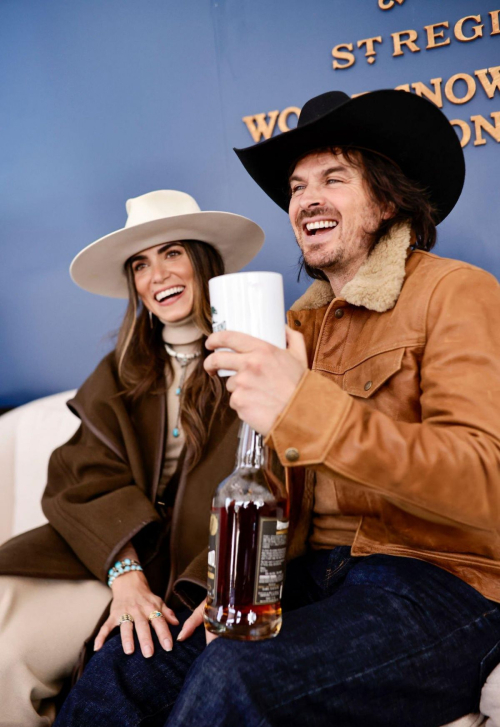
pixel 121 567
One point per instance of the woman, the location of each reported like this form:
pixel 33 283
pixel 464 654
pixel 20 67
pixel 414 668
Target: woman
pixel 128 496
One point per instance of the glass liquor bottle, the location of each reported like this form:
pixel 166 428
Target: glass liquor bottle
pixel 248 534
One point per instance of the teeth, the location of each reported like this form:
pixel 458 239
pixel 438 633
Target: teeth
pixel 169 291
pixel 320 224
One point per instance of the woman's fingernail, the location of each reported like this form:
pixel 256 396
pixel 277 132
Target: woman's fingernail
pixel 167 645
pixel 96 648
pixel 181 635
pixel 127 648
pixel 147 651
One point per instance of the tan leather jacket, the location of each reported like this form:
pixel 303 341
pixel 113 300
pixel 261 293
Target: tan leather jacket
pixel 401 407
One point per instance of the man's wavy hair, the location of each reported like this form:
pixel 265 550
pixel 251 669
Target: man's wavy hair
pixel 388 186
pixel 143 361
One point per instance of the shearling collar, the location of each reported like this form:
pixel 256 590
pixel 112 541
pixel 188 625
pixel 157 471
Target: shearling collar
pixel 378 282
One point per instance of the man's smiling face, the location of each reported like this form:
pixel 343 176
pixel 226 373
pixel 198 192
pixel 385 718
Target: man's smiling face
pixel 332 212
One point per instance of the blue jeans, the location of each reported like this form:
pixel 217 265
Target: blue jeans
pixel 375 641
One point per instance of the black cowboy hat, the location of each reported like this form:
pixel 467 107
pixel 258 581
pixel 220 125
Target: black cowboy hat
pixel 406 128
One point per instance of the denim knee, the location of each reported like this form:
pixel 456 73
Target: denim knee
pixel 225 668
pixel 218 691
pixel 220 662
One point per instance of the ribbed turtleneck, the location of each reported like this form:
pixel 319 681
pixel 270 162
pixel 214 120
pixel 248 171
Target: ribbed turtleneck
pixel 181 332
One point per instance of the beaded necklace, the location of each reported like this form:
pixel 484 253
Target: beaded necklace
pixel 184 360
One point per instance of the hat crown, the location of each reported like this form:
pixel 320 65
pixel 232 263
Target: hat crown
pixel 320 105
pixel 407 129
pixel 159 205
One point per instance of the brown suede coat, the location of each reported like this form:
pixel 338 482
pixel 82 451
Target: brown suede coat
pixel 101 493
pixel 401 409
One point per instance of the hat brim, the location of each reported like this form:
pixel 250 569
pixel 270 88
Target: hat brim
pixel 402 126
pixel 100 267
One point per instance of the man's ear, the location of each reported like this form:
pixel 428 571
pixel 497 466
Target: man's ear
pixel 388 211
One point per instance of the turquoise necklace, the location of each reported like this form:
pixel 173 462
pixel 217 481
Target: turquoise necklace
pixel 184 360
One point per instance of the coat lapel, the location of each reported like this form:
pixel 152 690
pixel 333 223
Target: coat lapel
pixel 149 415
pixel 190 519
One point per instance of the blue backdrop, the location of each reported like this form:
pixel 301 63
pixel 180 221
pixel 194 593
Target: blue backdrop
pixel 101 101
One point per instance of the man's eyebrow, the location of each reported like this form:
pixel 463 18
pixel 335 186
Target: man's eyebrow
pixel 325 173
pixel 334 170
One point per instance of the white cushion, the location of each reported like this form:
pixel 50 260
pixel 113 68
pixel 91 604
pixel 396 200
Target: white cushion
pixel 490 699
pixel 29 435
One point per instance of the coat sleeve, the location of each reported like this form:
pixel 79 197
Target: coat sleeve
pixel 191 586
pixel 92 498
pixel 446 467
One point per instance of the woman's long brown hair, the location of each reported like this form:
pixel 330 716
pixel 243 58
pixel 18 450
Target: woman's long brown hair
pixel 142 359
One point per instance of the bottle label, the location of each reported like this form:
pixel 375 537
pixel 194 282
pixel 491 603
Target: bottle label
pixel 213 553
pixel 270 571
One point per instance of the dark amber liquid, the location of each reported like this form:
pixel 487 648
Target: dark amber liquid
pixel 233 611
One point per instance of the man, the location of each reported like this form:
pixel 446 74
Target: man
pixel 384 411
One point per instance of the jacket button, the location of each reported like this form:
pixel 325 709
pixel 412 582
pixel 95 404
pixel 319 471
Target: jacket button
pixel 297 323
pixel 339 313
pixel 368 385
pixel 292 454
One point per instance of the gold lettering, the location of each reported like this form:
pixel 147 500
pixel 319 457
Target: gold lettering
pixel 435 96
pixel 388 4
pixel 494 85
pixel 259 127
pixel 403 87
pixel 370 49
pixel 342 55
pixel 495 22
pixel 459 29
pixel 465 128
pixel 432 35
pixel 481 124
pixel 399 41
pixel 283 117
pixel 450 84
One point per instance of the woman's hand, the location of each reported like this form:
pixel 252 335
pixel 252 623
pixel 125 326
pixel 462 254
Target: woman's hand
pixel 192 623
pixel 132 595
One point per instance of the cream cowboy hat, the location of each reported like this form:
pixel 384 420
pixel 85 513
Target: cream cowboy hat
pixel 157 217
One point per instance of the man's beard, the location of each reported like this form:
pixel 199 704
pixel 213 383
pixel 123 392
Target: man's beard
pixel 336 260
pixel 328 261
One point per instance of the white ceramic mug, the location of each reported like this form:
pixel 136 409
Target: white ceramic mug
pixel 252 303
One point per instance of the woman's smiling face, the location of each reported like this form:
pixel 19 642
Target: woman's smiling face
pixel 164 280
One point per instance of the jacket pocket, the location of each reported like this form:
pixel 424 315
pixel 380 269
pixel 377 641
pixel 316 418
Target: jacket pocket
pixel 367 377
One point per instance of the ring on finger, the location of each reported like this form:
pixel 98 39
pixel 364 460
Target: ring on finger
pixel 154 614
pixel 126 617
